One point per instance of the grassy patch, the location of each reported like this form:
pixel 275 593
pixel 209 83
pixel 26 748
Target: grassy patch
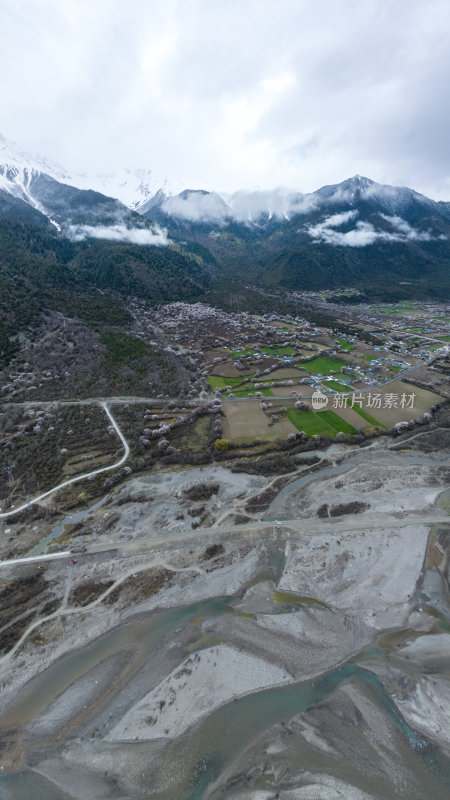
pixel 322 365
pixel 365 415
pixel 341 376
pixel 338 387
pixel 347 346
pixel 278 351
pixel 320 422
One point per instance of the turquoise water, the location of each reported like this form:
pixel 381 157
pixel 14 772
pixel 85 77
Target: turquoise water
pixel 29 786
pixel 57 530
pixel 210 750
pixel 217 741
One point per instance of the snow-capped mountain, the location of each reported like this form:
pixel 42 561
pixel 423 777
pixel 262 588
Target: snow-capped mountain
pixel 260 207
pixel 18 169
pixel 354 213
pixel 132 187
pixel 357 232
pixel 72 203
pixel 16 166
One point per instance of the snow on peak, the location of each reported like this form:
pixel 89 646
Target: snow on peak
pixel 133 187
pixel 361 182
pixel 15 160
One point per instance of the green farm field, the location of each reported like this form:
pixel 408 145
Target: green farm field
pixel 322 365
pixel 217 382
pixel 319 422
pixel 338 387
pixel 365 415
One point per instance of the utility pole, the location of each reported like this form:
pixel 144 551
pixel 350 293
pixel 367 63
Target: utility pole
pixel 9 471
pixel 28 497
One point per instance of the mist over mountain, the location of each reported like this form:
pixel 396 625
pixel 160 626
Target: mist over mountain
pixel 72 203
pixel 387 240
pixel 377 238
pixel 358 196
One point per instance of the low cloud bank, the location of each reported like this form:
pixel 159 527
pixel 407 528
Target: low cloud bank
pixel 405 228
pixel 197 207
pixel 119 233
pixel 364 233
pixel 245 207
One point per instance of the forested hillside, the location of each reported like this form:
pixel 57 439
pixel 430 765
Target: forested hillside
pixel 41 269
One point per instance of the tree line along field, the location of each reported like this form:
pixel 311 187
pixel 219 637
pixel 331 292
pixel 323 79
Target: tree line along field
pixel 321 365
pixel 243 385
pixel 244 420
pixel 273 351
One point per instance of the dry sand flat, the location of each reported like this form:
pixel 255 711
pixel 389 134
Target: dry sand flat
pixel 426 708
pixel 386 484
pixel 201 683
pixel 307 641
pixel 373 575
pixel 151 504
pixel 421 691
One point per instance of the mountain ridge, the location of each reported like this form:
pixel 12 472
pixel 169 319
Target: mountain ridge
pixel 391 241
pixel 141 190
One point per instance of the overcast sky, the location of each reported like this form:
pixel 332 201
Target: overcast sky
pixel 231 94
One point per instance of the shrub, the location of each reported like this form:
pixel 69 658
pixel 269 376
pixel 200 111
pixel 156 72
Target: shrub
pixel 221 444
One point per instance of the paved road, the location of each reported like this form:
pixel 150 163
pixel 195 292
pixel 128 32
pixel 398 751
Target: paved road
pixel 85 475
pixel 363 522
pixel 12 562
pixel 132 400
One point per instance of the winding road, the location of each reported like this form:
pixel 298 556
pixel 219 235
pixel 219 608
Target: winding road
pixel 150 401
pixel 82 477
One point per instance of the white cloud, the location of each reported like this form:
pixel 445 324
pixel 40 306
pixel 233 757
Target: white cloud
pixel 197 207
pixel 364 233
pixel 405 228
pixel 119 233
pixel 240 206
pixel 222 95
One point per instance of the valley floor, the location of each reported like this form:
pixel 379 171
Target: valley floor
pixel 279 648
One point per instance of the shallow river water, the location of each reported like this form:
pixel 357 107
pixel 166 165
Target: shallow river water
pixel 227 731
pixel 207 751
